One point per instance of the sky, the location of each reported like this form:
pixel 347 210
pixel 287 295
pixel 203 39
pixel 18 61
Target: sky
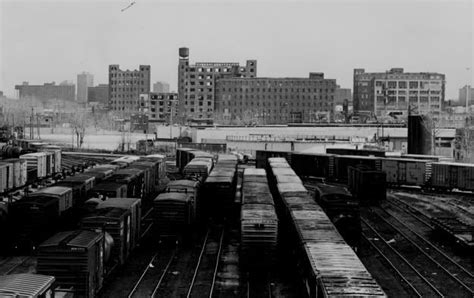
pixel 44 40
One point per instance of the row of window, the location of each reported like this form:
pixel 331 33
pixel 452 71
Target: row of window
pixel 281 84
pixel 191 103
pixel 291 104
pixel 411 84
pixel 126 75
pixel 199 90
pixel 297 90
pixel 291 97
pixel 134 89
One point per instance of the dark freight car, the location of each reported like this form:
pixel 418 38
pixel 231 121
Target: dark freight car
pixel 117 223
pixel 341 208
pixel 76 260
pixel 367 186
pixel 312 164
pixel 174 213
pixel 343 162
pixel 109 189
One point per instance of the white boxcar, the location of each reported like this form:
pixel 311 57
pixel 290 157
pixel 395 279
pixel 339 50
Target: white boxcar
pixel 405 171
pixel 16 169
pixel 57 156
pixel 3 177
pixel 9 174
pixel 36 161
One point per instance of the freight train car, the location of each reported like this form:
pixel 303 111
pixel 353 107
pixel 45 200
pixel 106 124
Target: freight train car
pixel 406 171
pixel 38 216
pixel 356 152
pixel 448 176
pixel 341 208
pixel 259 222
pixel 316 165
pixel 263 156
pixel 175 210
pixel 27 285
pixel 327 265
pixel 76 259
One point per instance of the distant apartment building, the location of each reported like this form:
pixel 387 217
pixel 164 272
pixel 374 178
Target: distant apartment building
pixel 463 93
pixel 160 107
pixel 275 100
pixel 161 87
pixel 64 91
pixel 84 81
pixel 125 87
pixel 394 90
pixel 99 93
pixel 196 84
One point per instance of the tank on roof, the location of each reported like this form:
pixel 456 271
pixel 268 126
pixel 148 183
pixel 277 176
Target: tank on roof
pixel 184 52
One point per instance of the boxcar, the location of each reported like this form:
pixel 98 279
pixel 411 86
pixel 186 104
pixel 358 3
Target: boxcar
pixel 367 186
pixel 81 185
pixel 343 162
pixel 6 173
pixel 452 176
pixel 57 156
pixel 174 214
pixel 117 223
pixel 259 222
pixel 38 216
pixel 109 189
pixel 198 168
pixel 36 165
pixel 19 171
pixel 341 208
pixel 132 205
pixel 405 171
pixel 100 174
pixel 132 178
pixel 316 165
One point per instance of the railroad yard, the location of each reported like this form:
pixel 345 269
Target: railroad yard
pixel 416 242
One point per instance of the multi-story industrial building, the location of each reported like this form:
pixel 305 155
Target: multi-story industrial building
pixel 47 91
pixel 84 81
pixel 275 100
pixel 196 84
pixel 393 91
pixel 125 87
pixel 464 92
pixel 161 87
pixel 160 107
pixel 99 93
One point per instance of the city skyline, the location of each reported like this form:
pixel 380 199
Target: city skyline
pixel 287 38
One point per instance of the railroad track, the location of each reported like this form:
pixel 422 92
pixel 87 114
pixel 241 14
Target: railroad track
pixel 203 283
pixel 410 275
pixel 148 283
pixel 462 275
pixel 430 268
pixel 417 214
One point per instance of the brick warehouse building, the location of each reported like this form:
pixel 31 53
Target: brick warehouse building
pixel 392 91
pixel 275 100
pixel 160 107
pixel 196 84
pixel 125 87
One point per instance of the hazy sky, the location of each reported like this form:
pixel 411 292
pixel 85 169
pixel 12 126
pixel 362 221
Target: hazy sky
pixel 44 41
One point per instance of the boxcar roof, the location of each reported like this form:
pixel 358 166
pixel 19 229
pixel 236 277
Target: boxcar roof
pixel 261 198
pixel 470 165
pixel 279 165
pixel 107 185
pixel 222 157
pixel 283 171
pixel 258 212
pixel 288 179
pixel 25 284
pixel 327 189
pixel 127 203
pixel 80 177
pixel 336 264
pixel 255 172
pixel 52 190
pixel 80 238
pixel 219 179
pixel 183 183
pixel 291 187
pixel 175 196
